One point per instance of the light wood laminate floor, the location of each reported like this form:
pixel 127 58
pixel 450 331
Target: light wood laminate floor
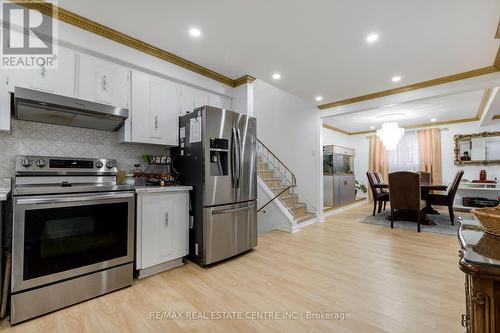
pixel 387 280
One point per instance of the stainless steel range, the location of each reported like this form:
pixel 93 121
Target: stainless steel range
pixel 72 233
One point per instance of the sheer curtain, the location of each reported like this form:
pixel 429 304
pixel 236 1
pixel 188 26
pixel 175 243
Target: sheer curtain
pixel 407 155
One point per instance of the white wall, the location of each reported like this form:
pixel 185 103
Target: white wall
pixel 361 144
pixel 288 125
pixel 447 152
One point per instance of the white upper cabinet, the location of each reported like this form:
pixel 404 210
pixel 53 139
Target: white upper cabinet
pixel 4 103
pixel 102 81
pixel 154 110
pixel 191 99
pixel 60 80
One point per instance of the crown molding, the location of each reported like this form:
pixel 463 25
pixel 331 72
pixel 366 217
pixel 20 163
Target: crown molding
pixel 243 80
pixel 484 101
pixel 439 123
pixel 99 29
pixel 420 85
pixel 495 117
pixel 335 129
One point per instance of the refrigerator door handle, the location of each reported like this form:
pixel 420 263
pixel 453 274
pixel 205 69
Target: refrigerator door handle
pixel 237 158
pixel 233 158
pixel 234 210
pixel 240 153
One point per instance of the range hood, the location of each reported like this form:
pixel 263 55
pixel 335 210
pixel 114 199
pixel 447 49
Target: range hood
pixel 34 105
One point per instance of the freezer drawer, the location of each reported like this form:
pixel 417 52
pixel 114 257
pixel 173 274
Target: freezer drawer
pixel 229 230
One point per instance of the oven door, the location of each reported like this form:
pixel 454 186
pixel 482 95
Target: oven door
pixel 58 237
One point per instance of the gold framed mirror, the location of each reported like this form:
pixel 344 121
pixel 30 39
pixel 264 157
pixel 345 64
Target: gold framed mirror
pixel 477 149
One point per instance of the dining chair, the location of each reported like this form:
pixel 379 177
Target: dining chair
pixel 380 180
pixel 448 198
pixel 425 177
pixel 379 196
pixel 404 187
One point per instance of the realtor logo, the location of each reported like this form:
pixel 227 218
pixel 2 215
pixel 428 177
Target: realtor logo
pixel 28 36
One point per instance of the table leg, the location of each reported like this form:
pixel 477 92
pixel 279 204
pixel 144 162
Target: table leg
pixel 428 207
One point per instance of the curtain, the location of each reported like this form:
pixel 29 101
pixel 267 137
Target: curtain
pixel 378 159
pixel 406 155
pixel 429 142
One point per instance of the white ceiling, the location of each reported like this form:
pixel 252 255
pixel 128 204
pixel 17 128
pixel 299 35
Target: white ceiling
pixel 318 46
pixel 445 108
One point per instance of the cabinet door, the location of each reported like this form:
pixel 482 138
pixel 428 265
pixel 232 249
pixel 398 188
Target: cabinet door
pixel 60 80
pixel 155 104
pixel 192 98
pixel 4 103
pixel 164 223
pixel 103 81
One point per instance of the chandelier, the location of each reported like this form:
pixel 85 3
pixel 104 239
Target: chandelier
pixel 390 134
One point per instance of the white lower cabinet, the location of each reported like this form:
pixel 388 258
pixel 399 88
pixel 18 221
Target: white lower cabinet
pixel 162 231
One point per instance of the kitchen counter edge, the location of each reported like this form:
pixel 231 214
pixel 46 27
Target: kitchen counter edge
pixel 160 189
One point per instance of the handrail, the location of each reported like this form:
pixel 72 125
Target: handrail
pixel 294 179
pixel 277 195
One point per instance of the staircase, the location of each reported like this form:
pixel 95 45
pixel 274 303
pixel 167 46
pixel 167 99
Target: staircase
pixel 278 178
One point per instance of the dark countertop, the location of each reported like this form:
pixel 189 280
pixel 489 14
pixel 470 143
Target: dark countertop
pixel 480 250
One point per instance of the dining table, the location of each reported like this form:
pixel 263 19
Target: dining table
pixel 424 190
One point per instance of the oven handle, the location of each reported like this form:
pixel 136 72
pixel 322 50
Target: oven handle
pixel 31 201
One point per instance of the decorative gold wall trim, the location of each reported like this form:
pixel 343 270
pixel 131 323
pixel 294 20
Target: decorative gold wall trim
pixel 114 35
pixel 425 84
pixel 439 123
pixel 335 129
pixel 243 80
pixel 496 63
pixel 484 101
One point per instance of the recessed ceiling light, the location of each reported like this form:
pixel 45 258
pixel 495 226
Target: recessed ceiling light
pixel 319 98
pixel 372 127
pixel 195 32
pixel 396 78
pixel 276 76
pixel 433 119
pixel 371 38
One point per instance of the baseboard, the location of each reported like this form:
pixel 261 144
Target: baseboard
pixel 142 273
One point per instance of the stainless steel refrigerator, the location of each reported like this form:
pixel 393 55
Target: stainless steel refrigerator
pixel 217 156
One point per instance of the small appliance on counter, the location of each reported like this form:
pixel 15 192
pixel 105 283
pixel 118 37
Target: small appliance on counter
pixel 72 233
pixel 217 156
pixel 159 172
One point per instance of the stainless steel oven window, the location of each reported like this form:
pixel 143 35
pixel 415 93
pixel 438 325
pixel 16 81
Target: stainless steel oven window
pixel 53 223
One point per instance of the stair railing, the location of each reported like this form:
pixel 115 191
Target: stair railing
pixel 267 156
pixel 278 165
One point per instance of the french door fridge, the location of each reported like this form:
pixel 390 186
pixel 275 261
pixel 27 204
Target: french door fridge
pixel 217 156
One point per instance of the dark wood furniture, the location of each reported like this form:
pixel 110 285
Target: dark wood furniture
pixel 480 261
pixel 380 196
pixel 445 199
pixel 425 177
pixel 424 189
pixel 404 187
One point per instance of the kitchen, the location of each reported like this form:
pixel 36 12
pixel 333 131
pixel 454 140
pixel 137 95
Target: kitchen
pixel 111 172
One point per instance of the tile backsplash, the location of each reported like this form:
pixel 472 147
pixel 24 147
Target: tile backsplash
pixel 31 138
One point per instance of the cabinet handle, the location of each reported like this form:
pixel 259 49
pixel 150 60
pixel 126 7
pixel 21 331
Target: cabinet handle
pixel 156 122
pixel 104 83
pixel 166 219
pixel 43 70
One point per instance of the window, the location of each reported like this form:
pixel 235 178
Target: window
pixel 406 155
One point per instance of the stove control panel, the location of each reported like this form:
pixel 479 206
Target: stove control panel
pixel 60 165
